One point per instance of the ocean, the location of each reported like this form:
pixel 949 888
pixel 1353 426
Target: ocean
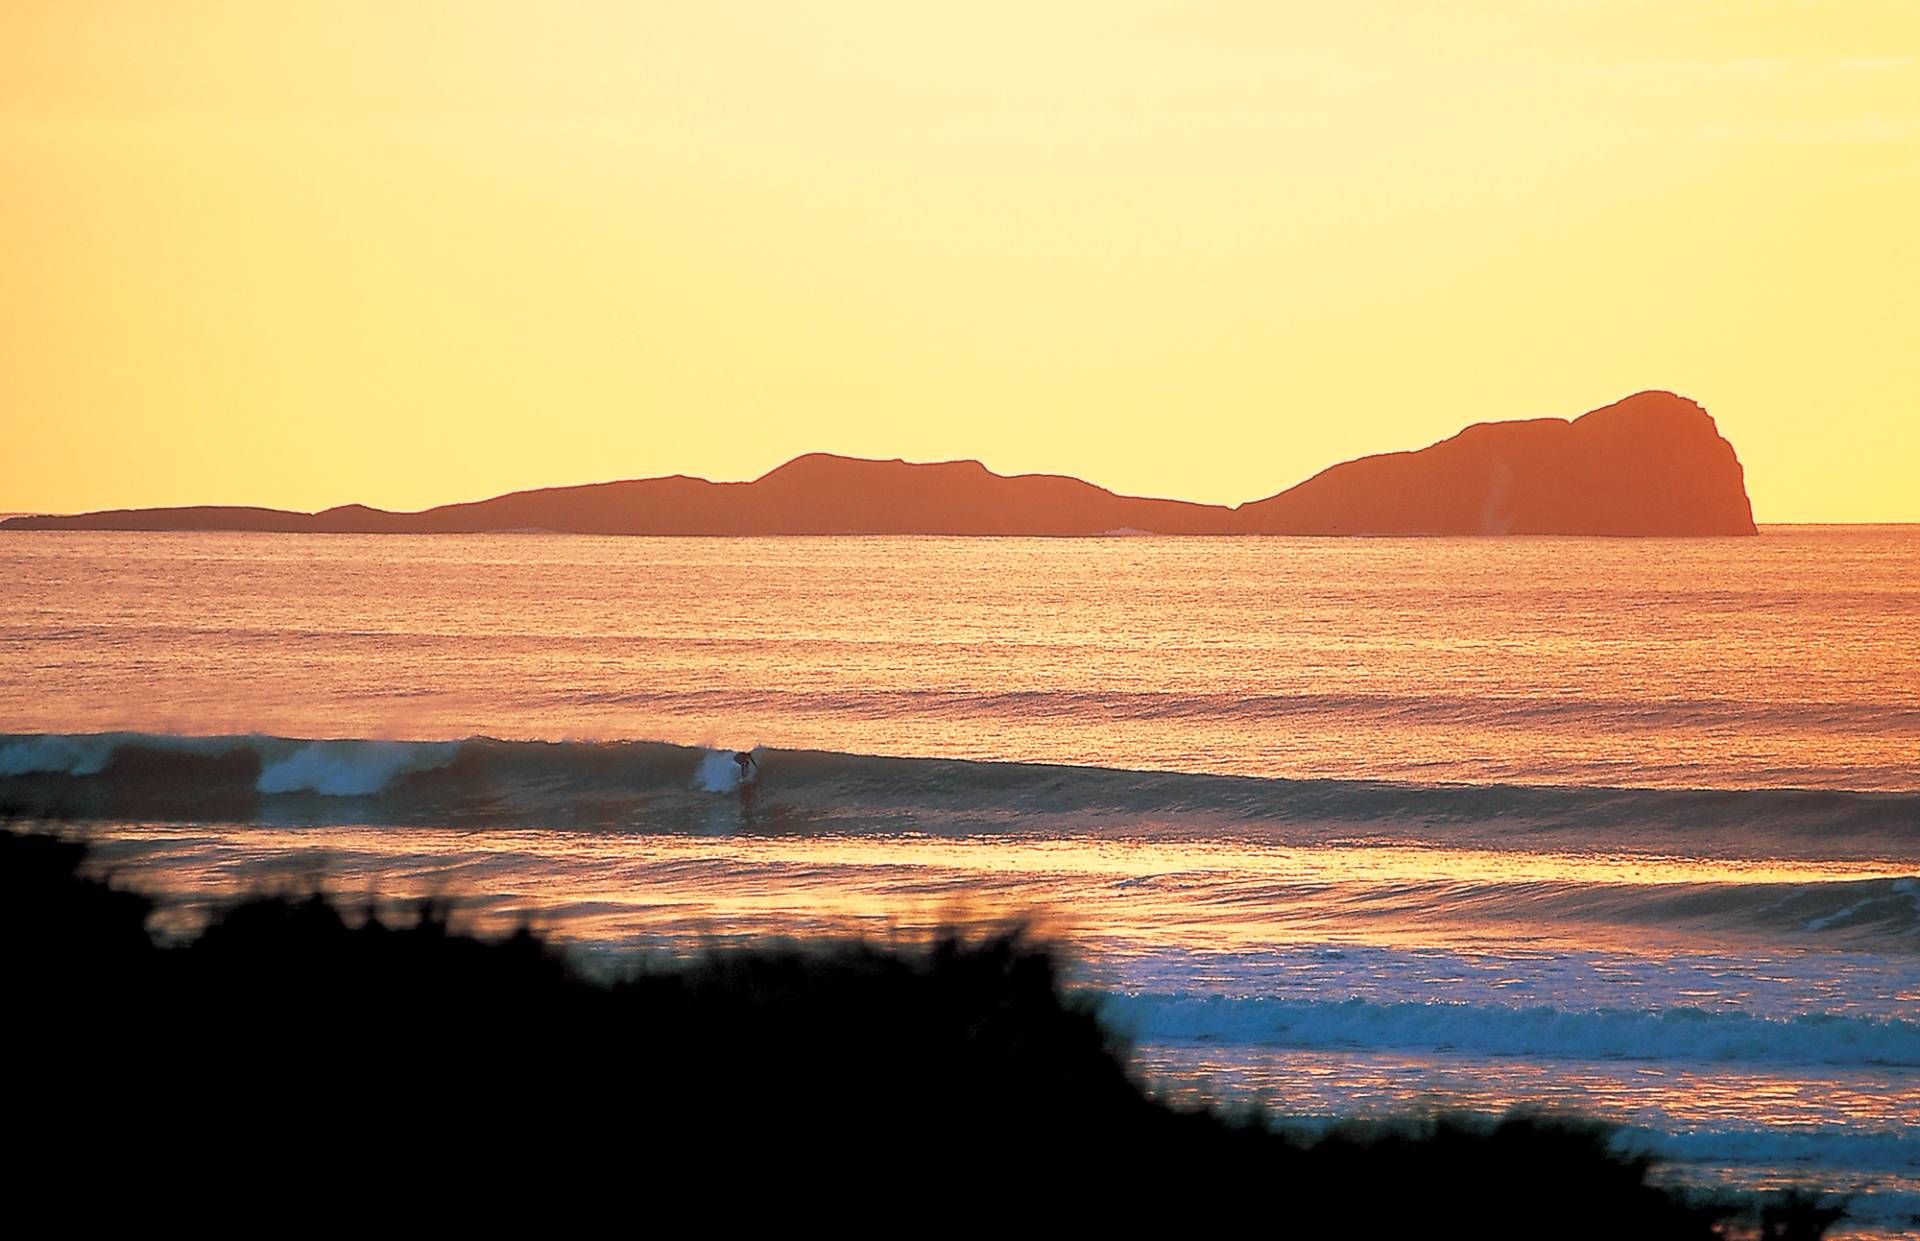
pixel 1626 827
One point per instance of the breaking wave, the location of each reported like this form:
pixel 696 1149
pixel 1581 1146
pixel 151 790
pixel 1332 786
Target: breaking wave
pixel 344 768
pixel 350 768
pixel 720 771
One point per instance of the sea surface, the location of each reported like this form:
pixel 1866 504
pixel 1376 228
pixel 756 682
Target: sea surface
pixel 1628 827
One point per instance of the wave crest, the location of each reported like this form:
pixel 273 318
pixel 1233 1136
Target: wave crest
pixel 350 768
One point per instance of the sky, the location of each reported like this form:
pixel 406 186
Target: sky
pixel 405 253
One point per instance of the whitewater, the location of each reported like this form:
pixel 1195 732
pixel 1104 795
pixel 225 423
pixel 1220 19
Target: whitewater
pixel 1630 828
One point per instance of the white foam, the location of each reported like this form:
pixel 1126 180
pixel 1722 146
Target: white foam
pixel 350 768
pixel 1838 915
pixel 56 755
pixel 718 772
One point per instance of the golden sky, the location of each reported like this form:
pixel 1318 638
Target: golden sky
pixel 399 252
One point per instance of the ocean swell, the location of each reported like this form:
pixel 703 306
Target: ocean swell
pixel 655 788
pixel 542 783
pixel 1666 1034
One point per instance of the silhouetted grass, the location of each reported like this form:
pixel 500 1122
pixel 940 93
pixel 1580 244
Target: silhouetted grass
pixel 934 1084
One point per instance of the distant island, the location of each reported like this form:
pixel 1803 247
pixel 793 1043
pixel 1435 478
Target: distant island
pixel 1652 464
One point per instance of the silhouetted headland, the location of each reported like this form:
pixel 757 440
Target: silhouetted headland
pixel 1652 464
pixel 947 1080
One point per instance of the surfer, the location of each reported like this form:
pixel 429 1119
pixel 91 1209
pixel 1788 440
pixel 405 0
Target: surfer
pixel 748 765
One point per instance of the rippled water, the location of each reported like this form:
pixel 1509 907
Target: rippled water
pixel 1473 822
pixel 1787 659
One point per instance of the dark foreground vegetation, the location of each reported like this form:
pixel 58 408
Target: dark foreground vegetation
pixel 302 1056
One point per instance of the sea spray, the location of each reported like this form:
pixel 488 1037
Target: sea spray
pixel 721 771
pixel 351 768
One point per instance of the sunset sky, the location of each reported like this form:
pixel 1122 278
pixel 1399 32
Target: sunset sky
pixel 405 253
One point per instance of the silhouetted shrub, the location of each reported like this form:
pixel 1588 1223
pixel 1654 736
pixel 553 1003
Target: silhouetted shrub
pixel 294 1049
